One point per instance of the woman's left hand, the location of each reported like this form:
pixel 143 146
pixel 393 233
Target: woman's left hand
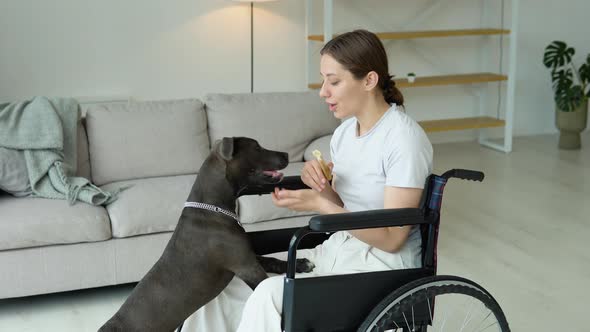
pixel 298 200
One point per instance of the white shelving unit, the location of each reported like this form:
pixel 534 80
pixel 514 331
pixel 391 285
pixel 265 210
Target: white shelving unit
pixel 479 122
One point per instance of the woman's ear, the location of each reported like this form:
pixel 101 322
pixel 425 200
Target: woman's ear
pixel 371 80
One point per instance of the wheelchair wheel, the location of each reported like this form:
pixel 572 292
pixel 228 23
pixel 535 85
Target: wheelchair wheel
pixel 439 303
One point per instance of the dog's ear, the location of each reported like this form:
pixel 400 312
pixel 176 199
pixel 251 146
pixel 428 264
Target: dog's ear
pixel 225 148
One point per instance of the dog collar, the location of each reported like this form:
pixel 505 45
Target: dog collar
pixel 213 208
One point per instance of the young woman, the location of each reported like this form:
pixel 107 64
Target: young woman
pixel 380 159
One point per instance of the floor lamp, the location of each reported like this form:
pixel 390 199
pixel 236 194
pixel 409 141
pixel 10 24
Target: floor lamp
pixel 252 38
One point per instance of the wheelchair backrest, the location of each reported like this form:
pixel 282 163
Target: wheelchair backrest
pixel 431 204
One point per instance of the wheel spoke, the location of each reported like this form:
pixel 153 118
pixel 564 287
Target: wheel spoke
pixel 458 305
pixel 466 320
pixel 484 319
pixel 413 320
pixel 487 327
pixel 408 325
pixel 429 306
pixel 444 322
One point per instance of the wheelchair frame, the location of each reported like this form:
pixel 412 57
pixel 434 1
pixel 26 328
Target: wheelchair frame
pixel 342 302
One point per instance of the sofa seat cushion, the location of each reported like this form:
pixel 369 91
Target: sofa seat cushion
pixel 32 222
pixel 149 205
pixel 257 208
pixel 293 222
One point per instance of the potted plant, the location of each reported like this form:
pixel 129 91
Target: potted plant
pixel 411 77
pixel 572 89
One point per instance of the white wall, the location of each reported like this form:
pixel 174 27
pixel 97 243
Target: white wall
pixel 542 21
pixel 187 48
pixel 147 49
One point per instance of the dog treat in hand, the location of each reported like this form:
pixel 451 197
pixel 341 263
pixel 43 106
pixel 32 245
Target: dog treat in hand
pixel 325 169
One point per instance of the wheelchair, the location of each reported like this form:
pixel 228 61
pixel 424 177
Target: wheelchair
pixel 408 300
pixel 395 300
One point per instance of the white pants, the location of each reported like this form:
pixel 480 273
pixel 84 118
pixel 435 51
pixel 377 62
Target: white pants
pixel 240 309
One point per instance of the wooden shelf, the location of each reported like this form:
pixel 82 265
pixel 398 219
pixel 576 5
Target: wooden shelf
pixel 461 124
pixel 467 80
pixel 422 81
pixel 451 80
pixel 429 34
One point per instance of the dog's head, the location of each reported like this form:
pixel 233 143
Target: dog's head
pixel 247 163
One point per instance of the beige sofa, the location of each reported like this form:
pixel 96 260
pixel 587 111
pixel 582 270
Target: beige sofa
pixel 154 148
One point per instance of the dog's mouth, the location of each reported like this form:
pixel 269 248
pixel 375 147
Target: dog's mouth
pixel 273 175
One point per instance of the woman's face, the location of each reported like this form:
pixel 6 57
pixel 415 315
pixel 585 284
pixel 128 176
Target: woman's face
pixel 344 94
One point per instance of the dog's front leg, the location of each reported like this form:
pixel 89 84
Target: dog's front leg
pixel 252 274
pixel 274 265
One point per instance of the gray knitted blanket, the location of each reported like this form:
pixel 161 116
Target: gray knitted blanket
pixel 46 130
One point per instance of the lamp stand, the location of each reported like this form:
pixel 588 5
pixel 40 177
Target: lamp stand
pixel 251 47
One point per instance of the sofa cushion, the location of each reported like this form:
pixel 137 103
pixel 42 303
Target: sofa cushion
pixel 322 144
pixel 257 208
pixel 146 139
pixel 279 121
pixel 293 222
pixel 31 222
pixel 150 205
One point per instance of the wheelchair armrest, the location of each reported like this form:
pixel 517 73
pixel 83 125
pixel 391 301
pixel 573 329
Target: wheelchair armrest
pixel 354 220
pixel 367 219
pixel 288 182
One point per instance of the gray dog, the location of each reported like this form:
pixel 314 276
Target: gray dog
pixel 208 247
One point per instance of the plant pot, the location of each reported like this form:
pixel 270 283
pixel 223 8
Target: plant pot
pixel 571 124
pixel 411 79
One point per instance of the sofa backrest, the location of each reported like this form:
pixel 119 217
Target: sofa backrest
pixel 286 121
pixel 146 139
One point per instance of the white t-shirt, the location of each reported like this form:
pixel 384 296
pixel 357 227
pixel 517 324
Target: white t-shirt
pixel 395 152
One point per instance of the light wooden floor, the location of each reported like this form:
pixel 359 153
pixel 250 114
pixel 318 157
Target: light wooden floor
pixel 522 234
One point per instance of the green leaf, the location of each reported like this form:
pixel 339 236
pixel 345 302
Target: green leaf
pixel 557 54
pixel 562 79
pixel 562 74
pixel 568 100
pixel 585 71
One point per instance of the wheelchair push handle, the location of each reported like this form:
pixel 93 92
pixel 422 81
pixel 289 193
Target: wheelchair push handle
pixel 465 174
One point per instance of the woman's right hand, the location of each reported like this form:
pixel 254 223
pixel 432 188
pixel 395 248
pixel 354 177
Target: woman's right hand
pixel 313 177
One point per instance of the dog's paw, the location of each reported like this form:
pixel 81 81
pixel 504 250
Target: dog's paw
pixel 304 265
